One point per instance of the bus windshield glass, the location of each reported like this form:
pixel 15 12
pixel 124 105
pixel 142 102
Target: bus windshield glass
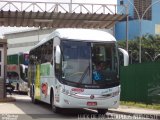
pixel 12 76
pixel 75 61
pixel 89 63
pixel 104 63
pixel 24 72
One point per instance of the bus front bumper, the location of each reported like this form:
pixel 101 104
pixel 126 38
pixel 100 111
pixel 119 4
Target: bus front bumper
pixel 72 101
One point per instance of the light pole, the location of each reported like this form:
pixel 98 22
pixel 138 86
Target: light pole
pixel 152 58
pixel 140 28
pixel 127 18
pixel 149 55
pixel 140 25
pixel 127 27
pixel 156 57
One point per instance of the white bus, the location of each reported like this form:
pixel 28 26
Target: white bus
pixel 17 69
pixel 64 71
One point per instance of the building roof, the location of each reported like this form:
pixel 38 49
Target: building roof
pixel 58 15
pixel 58 20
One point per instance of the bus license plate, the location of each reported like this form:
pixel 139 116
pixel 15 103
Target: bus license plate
pixel 91 103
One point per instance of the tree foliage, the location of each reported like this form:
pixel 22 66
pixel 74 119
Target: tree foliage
pixel 150 47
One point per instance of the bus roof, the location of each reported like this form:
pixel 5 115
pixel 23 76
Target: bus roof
pixel 91 35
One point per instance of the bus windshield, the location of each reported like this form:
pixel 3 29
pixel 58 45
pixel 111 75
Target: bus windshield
pixel 24 72
pixel 104 63
pixel 12 76
pixel 88 63
pixel 75 61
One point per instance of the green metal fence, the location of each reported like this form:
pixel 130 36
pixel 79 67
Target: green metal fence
pixel 141 83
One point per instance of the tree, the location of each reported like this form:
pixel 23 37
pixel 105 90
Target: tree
pixel 150 48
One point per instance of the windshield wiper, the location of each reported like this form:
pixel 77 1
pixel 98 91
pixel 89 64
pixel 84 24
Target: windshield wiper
pixel 84 74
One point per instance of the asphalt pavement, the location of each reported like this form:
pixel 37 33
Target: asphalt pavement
pixel 24 109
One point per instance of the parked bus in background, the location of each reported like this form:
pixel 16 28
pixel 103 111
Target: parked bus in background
pixel 63 70
pixel 17 70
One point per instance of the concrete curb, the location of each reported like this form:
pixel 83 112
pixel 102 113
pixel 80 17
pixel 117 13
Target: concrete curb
pixel 153 116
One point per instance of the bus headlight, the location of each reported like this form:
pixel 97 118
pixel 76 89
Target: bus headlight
pixel 65 91
pixel 115 93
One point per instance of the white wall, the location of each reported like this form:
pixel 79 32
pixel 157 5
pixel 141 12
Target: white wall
pixel 24 41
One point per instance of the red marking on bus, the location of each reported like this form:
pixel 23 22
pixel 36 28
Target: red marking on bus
pixel 44 88
pixel 91 103
pixel 11 68
pixel 77 90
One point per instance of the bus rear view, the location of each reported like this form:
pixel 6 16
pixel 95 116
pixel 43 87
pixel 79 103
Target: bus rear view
pixel 84 70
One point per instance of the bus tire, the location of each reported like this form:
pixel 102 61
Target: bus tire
pixel 55 109
pixel 102 111
pixel 33 97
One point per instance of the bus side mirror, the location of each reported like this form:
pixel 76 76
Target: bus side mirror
pixel 125 56
pixel 58 55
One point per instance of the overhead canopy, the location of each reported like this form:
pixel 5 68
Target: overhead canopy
pixel 58 18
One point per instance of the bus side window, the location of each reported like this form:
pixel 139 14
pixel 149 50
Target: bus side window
pixel 46 54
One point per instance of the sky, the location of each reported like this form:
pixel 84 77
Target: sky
pixel 4 30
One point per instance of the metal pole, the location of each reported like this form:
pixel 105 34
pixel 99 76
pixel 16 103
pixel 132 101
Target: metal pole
pixel 139 28
pixel 150 7
pixel 156 57
pixel 126 7
pixel 140 22
pixel 140 41
pixel 149 56
pixel 127 28
pixel 70 6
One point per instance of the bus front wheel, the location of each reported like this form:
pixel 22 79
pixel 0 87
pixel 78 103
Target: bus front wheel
pixel 102 111
pixel 54 108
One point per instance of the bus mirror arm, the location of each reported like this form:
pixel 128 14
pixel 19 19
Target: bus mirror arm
pixel 125 56
pixel 58 55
